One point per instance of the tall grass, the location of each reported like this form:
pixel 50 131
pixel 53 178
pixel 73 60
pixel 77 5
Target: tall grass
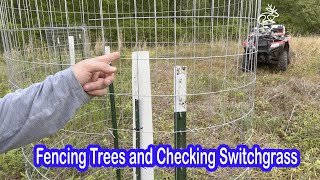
pixel 287 115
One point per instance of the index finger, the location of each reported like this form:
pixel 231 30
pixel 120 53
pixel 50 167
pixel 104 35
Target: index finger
pixel 107 58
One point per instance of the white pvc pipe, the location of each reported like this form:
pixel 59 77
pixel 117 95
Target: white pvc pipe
pixel 107 50
pixel 71 50
pixel 141 90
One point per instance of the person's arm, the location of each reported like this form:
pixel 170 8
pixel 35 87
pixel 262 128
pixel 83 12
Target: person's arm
pixel 39 110
pixel 42 109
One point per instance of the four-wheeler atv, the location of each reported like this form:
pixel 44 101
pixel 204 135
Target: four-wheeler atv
pixel 273 47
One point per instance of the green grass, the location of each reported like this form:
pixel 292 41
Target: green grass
pixel 287 111
pixel 11 163
pixel 287 115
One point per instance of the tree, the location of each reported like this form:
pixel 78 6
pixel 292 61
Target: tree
pixel 300 16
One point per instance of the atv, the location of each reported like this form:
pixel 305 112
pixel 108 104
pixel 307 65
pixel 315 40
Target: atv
pixel 270 44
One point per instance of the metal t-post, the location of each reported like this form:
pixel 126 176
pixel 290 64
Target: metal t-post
pixel 113 116
pixel 180 115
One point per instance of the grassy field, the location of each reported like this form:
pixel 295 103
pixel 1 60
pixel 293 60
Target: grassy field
pixel 287 114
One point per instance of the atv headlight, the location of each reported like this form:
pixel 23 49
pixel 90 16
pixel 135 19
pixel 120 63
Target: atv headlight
pixel 275 45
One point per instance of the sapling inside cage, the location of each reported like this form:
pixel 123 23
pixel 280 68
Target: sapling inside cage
pixel 179 79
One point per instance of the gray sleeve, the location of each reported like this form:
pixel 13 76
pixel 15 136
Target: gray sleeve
pixel 40 110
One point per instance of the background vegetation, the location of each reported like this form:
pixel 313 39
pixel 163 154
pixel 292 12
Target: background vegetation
pixel 287 114
pixel 300 16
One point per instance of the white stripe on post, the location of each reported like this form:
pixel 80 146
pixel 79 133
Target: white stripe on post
pixel 134 97
pixel 141 90
pixel 180 86
pixel 71 50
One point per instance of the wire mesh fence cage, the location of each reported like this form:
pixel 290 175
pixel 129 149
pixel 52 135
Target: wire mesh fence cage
pixel 179 80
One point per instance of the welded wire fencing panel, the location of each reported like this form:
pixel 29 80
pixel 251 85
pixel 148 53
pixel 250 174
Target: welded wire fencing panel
pixel 205 36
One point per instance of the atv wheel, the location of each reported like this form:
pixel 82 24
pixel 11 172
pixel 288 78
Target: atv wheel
pixel 283 60
pixel 289 57
pixel 247 63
